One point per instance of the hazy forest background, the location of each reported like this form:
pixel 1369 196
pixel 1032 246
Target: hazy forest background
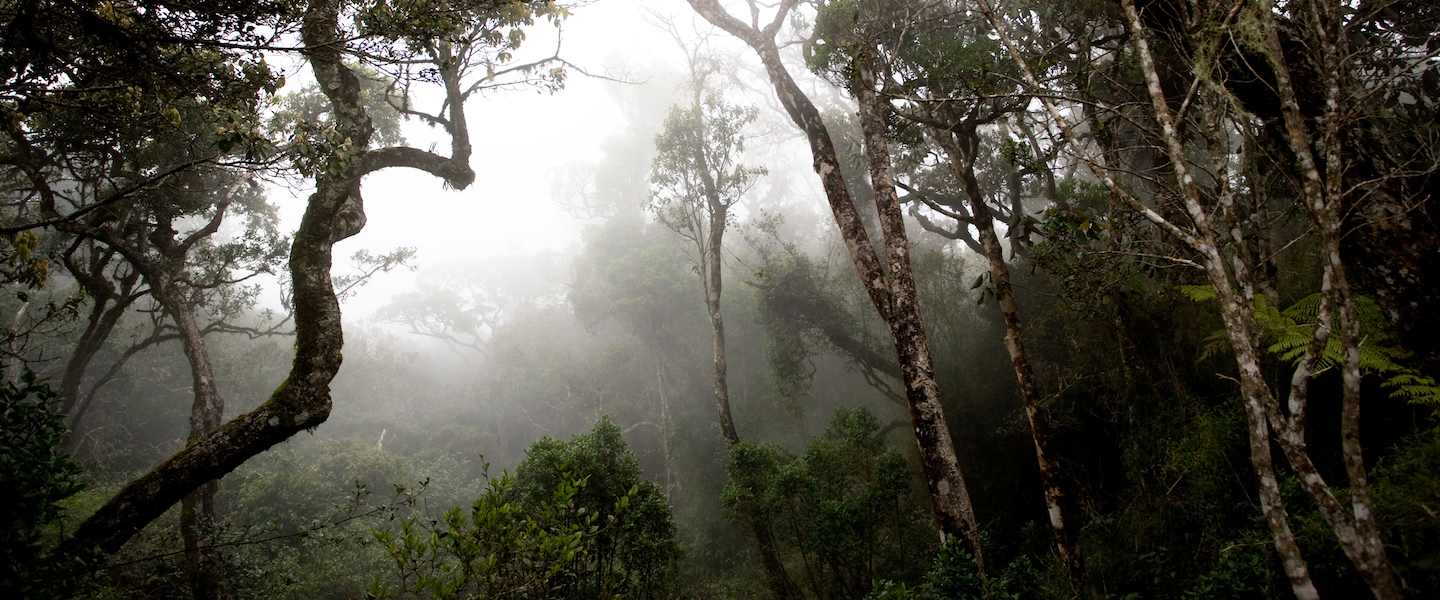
pixel 839 299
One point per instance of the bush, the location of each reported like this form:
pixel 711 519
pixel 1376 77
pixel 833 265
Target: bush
pixel 844 510
pixel 35 478
pixel 575 521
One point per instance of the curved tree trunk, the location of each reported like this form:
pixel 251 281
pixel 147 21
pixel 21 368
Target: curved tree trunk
pixel 333 212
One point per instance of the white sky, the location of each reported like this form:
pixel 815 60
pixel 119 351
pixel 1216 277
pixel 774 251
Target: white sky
pixel 520 138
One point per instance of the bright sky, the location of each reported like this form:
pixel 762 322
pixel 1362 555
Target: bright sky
pixel 520 139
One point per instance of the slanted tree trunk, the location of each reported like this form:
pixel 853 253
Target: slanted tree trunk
pixel 953 509
pixel 333 212
pixel 893 292
pixel 1238 316
pixel 961 152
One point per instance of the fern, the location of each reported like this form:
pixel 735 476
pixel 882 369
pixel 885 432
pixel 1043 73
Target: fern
pixel 1198 293
pixel 1290 331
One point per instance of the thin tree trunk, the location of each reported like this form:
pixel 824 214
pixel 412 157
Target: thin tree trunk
pixel 891 293
pixel 1236 309
pixel 710 243
pixel 1239 319
pixel 1323 196
pixel 111 301
pixel 713 279
pixel 962 167
pixel 203 566
pixel 954 512
pixel 1239 323
pixel 667 424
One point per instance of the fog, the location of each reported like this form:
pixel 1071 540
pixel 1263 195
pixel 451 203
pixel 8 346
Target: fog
pixel 937 300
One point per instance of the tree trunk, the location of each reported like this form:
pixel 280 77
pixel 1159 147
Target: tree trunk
pixel 892 294
pixel 954 513
pixel 713 278
pixel 203 566
pixel 333 212
pixel 1323 196
pixel 710 243
pixel 962 166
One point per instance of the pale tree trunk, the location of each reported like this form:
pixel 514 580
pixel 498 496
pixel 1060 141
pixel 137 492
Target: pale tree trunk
pixel 710 243
pixel 1236 309
pixel 950 500
pixel 667 425
pixel 1323 196
pixel 953 509
pixel 961 155
pixel 1238 315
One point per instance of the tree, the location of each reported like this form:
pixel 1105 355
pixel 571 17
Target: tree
pixel 889 283
pixel 914 56
pixel 451 48
pixel 698 178
pixel 1216 235
pixel 576 520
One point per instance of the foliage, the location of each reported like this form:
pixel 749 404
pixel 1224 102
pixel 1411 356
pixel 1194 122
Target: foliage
pixel 697 173
pixel 844 508
pixel 1291 330
pixel 36 477
pixel 1407 503
pixel 953 577
pixel 633 553
pixel 575 521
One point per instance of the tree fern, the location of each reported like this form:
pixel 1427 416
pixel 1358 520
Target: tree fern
pixel 1289 332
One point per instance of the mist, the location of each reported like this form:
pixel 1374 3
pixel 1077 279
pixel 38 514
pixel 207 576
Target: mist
pixel 825 300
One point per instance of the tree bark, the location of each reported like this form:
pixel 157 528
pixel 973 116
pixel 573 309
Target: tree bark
pixel 1238 316
pixel 962 157
pixel 333 212
pixel 1323 197
pixel 893 293
pixel 197 510
pixel 954 512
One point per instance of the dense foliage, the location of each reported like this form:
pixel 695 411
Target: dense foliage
pixel 37 479
pixel 1137 297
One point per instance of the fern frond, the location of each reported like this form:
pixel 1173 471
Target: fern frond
pixel 1198 293
pixel 1414 388
pixel 1216 343
pixel 1304 310
pixel 1293 328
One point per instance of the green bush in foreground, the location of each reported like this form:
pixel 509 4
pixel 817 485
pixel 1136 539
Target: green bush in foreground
pixel 575 521
pixel 35 478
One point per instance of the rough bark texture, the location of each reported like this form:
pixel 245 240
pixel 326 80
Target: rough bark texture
pixel 892 293
pixel 962 166
pixel 1238 316
pixel 1235 309
pixel 953 510
pixel 1323 196
pixel 333 213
